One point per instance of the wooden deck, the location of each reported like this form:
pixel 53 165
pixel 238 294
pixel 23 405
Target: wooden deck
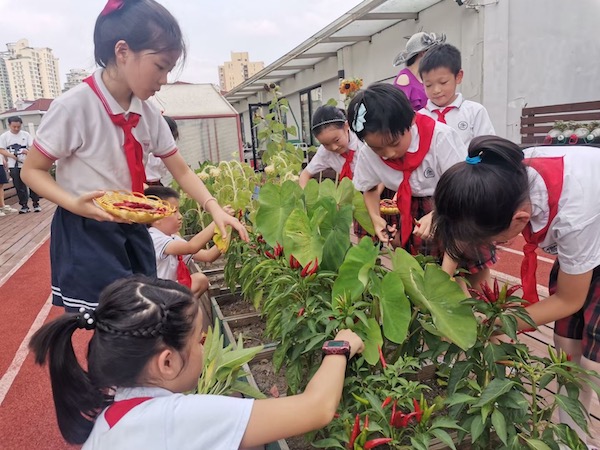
pixel 21 235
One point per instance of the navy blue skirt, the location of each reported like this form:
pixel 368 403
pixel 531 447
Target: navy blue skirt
pixel 87 255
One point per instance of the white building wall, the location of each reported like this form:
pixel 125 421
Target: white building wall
pixel 515 53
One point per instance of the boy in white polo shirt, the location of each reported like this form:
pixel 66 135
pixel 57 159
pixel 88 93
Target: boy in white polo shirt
pixel 441 72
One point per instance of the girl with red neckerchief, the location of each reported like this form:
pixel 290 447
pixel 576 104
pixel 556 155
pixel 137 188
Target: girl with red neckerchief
pixel 548 194
pixel 102 133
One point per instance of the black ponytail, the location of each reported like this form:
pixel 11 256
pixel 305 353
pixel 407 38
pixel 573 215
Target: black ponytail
pixel 136 318
pixel 476 201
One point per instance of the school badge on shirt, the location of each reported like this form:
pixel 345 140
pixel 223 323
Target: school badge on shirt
pixel 462 125
pixel 429 173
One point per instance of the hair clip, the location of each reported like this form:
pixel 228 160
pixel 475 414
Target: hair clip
pixel 473 159
pixel 359 120
pixel 86 319
pixel 111 6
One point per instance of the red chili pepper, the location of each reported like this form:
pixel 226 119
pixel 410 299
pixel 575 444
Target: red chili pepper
pixel 386 402
pixel 268 254
pixel 477 294
pixel 393 412
pixel 366 427
pixel 310 268
pixel 381 358
pixel 355 432
pixel 278 250
pixel 315 267
pixel 418 411
pixel 377 442
pixel 294 264
pixel 300 311
pixel 336 416
pixel 406 419
pixel 496 289
pixel 510 291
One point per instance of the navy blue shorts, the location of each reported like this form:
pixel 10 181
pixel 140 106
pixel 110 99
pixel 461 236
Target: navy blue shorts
pixel 3 176
pixel 87 255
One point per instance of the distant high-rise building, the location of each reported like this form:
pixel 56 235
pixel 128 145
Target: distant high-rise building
pixel 75 77
pixel 239 69
pixel 27 73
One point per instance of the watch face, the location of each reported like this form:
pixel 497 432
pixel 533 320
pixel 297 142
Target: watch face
pixel 336 344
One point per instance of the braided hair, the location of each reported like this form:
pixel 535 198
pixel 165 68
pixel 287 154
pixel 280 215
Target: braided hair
pixel 136 318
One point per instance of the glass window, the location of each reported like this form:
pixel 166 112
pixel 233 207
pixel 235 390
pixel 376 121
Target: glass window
pixel 309 102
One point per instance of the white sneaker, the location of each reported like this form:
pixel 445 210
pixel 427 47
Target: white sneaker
pixel 8 209
pixel 2 214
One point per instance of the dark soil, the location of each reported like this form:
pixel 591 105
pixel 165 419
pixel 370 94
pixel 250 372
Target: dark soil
pixel 252 333
pixel 266 378
pixel 236 307
pixel 298 443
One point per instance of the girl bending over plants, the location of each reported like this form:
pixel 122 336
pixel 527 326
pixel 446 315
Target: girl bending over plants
pixel 145 352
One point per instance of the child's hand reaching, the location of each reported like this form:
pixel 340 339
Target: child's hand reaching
pixel 229 210
pixel 356 343
pixel 222 219
pixel 384 232
pixel 423 226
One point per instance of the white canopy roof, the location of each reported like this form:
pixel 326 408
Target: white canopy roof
pixel 182 100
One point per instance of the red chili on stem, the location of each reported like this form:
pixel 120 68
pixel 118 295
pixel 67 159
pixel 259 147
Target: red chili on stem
pixel 377 442
pixel 301 311
pixel 418 410
pixel 386 402
pixel 355 432
pixel 381 358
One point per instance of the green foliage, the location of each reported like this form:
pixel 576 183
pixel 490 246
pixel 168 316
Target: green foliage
pixel 223 371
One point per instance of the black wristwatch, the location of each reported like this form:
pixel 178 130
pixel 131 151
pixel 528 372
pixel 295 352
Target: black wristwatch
pixel 337 348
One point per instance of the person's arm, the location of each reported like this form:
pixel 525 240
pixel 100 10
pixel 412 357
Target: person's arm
pixel 7 154
pixel 570 295
pixel 35 175
pixel 196 189
pixel 194 245
pixel 208 256
pixel 283 417
pixel 305 176
pixel 372 197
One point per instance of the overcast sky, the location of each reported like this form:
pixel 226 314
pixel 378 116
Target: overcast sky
pixel 267 29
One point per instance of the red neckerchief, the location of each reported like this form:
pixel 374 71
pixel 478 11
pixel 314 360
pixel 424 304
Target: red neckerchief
pixel 117 410
pixel 441 113
pixel 407 164
pixel 133 149
pixel 183 273
pixel 347 169
pixel 552 172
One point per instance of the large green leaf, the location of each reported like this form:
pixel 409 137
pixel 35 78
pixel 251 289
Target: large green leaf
pixel 301 236
pixel 344 194
pixel 354 272
pixel 436 293
pixel 276 203
pixel 327 188
pixel 496 388
pixel 536 444
pixel 361 215
pixel 311 195
pixel 395 307
pixel 373 340
pixel 335 230
pixel 403 262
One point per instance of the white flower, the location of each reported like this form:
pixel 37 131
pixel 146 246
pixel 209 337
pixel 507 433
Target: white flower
pixel 215 172
pixel 270 169
pixel 203 176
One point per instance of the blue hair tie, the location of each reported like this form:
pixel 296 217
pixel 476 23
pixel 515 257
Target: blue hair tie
pixel 473 159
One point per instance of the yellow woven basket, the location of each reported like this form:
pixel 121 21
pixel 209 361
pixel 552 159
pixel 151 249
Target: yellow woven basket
pixel 387 207
pixel 134 207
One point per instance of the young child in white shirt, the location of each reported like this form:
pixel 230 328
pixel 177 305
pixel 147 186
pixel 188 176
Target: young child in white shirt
pixel 172 251
pixel 145 352
pixel 441 71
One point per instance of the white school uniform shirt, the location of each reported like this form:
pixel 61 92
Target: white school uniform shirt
pixel 78 132
pixel 469 119
pixel 173 421
pixel 23 139
pixel 324 159
pixel 166 265
pixel 574 234
pixel 446 150
pixel 155 169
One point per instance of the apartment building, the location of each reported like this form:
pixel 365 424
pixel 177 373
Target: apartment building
pixel 239 69
pixel 27 73
pixel 74 77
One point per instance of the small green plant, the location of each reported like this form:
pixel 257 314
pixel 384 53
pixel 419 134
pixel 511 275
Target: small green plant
pixel 223 366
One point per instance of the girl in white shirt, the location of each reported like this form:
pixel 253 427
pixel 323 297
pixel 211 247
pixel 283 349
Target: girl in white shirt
pixel 549 195
pixel 101 132
pixel 146 350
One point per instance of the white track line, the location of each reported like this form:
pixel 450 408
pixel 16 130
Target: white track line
pixel 15 366
pixel 23 260
pixel 518 252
